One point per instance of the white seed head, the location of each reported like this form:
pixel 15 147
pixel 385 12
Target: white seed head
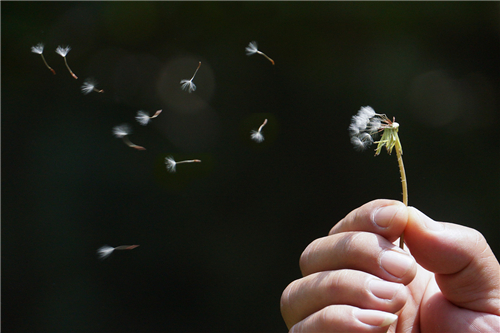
pixel 251 48
pixel 363 125
pixel 353 129
pixel 188 85
pixel 104 251
pixel 360 121
pixel 256 136
pixel 374 125
pixel 37 48
pixel 362 141
pixel 170 163
pixel 121 130
pixel 88 86
pixel 367 111
pixel 142 117
pixel 63 51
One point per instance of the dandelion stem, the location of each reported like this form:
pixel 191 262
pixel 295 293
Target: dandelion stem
pixel 132 145
pixel 69 69
pixel 263 124
pixel 46 64
pixel 126 247
pixel 188 161
pixel 196 71
pixel 262 53
pixel 399 153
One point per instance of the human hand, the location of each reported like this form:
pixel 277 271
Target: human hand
pixel 356 279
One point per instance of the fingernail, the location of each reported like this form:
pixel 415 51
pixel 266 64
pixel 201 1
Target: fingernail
pixel 374 317
pixel 384 215
pixel 383 289
pixel 396 263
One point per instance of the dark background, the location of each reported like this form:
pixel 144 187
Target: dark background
pixel 220 240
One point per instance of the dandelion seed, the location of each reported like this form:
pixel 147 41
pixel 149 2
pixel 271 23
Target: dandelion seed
pixel 367 123
pixel 171 163
pixel 257 135
pixel 122 132
pixel 143 117
pixel 63 51
pixel 38 49
pixel 188 84
pixel 105 251
pixel 252 49
pixel 88 86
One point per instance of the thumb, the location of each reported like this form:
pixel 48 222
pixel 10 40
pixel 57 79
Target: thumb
pixel 465 268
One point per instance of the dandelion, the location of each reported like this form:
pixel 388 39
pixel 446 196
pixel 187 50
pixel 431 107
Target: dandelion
pixel 257 135
pixel 88 86
pixel 252 49
pixel 171 163
pixel 122 132
pixel 63 51
pixel 105 251
pixel 188 84
pixel 143 117
pixel 367 123
pixel 38 49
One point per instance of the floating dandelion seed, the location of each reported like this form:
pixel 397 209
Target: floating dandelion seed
pixel 171 163
pixel 252 49
pixel 63 51
pixel 257 135
pixel 38 49
pixel 188 84
pixel 143 117
pixel 367 123
pixel 88 86
pixel 105 251
pixel 122 131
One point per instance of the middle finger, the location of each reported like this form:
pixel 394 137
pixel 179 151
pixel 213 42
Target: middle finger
pixel 363 251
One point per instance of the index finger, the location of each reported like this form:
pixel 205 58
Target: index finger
pixel 387 218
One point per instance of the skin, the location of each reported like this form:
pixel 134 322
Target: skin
pixel 451 282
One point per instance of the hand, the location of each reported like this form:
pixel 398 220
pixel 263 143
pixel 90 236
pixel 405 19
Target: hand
pixel 356 279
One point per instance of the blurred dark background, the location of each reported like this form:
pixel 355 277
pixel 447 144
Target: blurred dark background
pixel 220 240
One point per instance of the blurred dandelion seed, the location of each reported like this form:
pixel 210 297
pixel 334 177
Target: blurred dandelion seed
pixel 88 86
pixel 38 49
pixel 257 136
pixel 171 163
pixel 252 49
pixel 367 123
pixel 143 117
pixel 105 251
pixel 122 132
pixel 188 84
pixel 63 51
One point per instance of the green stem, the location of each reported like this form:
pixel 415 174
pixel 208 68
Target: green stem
pixel 399 152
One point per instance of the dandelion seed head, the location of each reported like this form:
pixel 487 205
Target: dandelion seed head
pixel 142 117
pixel 170 163
pixel 353 129
pixel 362 141
pixel 188 85
pixel 363 125
pixel 37 48
pixel 63 51
pixel 374 126
pixel 251 48
pixel 88 86
pixel 121 130
pixel 105 251
pixel 367 111
pixel 256 136
pixel 360 121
